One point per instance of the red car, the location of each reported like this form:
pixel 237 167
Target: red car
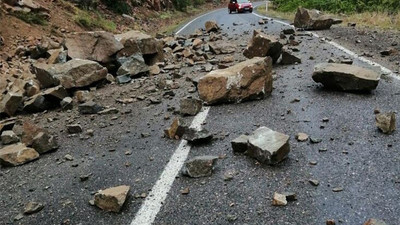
pixel 240 6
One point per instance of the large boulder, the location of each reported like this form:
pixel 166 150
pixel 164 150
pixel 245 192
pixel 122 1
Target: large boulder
pixel 136 42
pixel 211 26
pixel 312 19
pixel 345 77
pixel 17 154
pixel 268 146
pixel 262 45
pixel 133 65
pixel 98 46
pixel 72 74
pixel 251 79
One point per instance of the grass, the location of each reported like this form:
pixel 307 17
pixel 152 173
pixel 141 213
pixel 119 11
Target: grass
pixel 84 19
pixel 178 18
pixel 30 17
pixel 380 20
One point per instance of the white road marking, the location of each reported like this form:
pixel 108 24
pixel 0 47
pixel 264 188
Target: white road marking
pixel 152 205
pixel 384 70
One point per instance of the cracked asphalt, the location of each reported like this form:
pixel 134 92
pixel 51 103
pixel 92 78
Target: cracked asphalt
pixel 358 158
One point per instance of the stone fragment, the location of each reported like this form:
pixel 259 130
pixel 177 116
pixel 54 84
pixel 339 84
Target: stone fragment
pixel 374 222
pixel 90 107
pixel 240 144
pixel 268 146
pixel 123 79
pixel 345 77
pixel 9 137
pixel 37 103
pixel 190 106
pixel 301 137
pixel 279 200
pixel 44 142
pixel 312 19
pixel 111 199
pixel 33 207
pixel 75 73
pixel 83 96
pixel 17 154
pixel 211 26
pixel 27 131
pixel 108 111
pixel 386 122
pixel 251 79
pixel 10 103
pixel 199 166
pixel 222 47
pixel 176 130
pixel 313 182
pixel 330 222
pixel 288 31
pixel 262 45
pixel 66 103
pixel 197 137
pixel 288 58
pixel 97 46
pixel 74 128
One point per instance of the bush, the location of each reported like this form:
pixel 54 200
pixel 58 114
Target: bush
pixel 118 6
pixel 30 17
pixel 84 19
pixel 181 5
pixel 338 6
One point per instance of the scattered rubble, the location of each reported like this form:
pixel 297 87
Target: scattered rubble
pixel 200 166
pixel 111 199
pixel 386 122
pixel 251 79
pixel 345 77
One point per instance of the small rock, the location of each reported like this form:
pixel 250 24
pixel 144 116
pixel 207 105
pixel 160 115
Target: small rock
pixel 279 200
pixel 185 191
pixel 301 137
pixel 17 154
pixel 386 122
pixel 176 130
pixel 111 199
pixel 197 136
pixel 190 106
pixel 315 140
pixel 33 207
pixel 314 182
pixel 43 142
pixel 374 222
pixel 240 144
pixel 89 108
pixel 9 137
pixel 330 222
pixel 200 166
pixel 74 128
pixel 66 103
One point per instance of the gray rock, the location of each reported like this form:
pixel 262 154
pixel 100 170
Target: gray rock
pixel 386 122
pixel 197 137
pixel 268 146
pixel 9 137
pixel 133 65
pixel 345 77
pixel 90 107
pixel 66 103
pixel 111 199
pixel 190 106
pixel 200 166
pixel 288 58
pixel 37 103
pixel 123 79
pixel 240 144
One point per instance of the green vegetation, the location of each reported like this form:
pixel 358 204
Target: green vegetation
pixel 30 17
pixel 84 19
pixel 118 6
pixel 340 6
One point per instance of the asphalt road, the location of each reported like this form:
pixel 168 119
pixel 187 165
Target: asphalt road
pixel 359 159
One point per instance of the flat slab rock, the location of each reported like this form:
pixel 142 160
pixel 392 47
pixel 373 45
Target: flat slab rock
pixel 251 79
pixel 345 77
pixel 268 146
pixel 17 154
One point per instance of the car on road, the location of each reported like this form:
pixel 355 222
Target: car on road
pixel 240 6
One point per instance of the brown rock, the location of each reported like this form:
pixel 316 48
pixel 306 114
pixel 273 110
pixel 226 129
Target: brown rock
pixel 301 137
pixel 43 142
pixel 251 79
pixel 386 122
pixel 279 200
pixel 222 47
pixel 312 19
pixel 10 103
pixel 176 130
pixel 27 131
pixel 98 46
pixel 374 222
pixel 262 45
pixel 211 26
pixel 111 199
pixel 288 58
pixel 17 154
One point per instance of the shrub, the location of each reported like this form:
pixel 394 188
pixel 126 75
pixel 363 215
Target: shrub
pixel 118 6
pixel 181 5
pixel 84 19
pixel 30 17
